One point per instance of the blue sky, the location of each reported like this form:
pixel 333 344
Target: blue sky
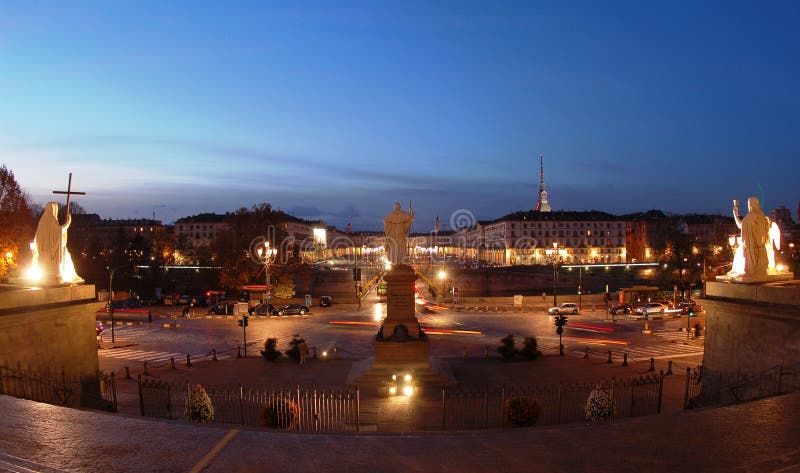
pixel 335 110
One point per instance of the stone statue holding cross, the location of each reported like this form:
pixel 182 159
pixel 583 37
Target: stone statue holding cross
pixel 51 258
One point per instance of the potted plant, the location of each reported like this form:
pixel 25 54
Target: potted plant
pixel 198 407
pixel 600 404
pixel 522 411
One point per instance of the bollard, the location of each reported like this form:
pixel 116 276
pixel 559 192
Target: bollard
pixel 669 367
pixel 609 356
pixel 145 369
pixel 313 353
pixel 214 355
pixel 127 373
pixel 624 359
pixel 238 352
pixel 188 360
pixel 652 364
pixel 586 353
pixel 172 362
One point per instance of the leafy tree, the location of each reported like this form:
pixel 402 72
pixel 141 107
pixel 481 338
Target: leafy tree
pixel 16 223
pixel 233 249
pixel 284 289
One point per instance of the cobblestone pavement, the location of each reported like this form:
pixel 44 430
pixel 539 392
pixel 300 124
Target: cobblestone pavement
pixel 760 436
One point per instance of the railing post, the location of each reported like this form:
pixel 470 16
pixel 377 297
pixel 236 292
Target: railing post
pixel 141 398
pixel 634 383
pixel 660 391
pixel 113 392
pixel 560 390
pixel 686 391
pixel 444 408
pixel 486 408
pixel 241 403
pixel 502 405
pixel 652 364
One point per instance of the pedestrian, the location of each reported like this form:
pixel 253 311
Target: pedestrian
pixel 303 352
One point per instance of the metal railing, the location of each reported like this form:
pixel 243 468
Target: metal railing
pixel 710 388
pixel 467 408
pixel 59 387
pixel 296 409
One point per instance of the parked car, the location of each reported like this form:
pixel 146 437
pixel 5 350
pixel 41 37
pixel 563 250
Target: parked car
pixel 619 309
pixel 689 306
pixel 565 308
pixel 325 301
pixel 291 309
pixel 261 309
pixel 651 308
pixel 228 308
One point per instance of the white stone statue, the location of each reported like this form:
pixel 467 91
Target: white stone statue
pixel 737 268
pixel 396 226
pixel 50 255
pixel 755 236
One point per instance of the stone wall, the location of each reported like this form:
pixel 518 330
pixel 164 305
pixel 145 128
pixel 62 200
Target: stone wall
pixel 751 328
pixel 56 336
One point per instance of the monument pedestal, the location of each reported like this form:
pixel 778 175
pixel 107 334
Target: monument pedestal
pixel 401 346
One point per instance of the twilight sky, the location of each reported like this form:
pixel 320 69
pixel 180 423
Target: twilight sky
pixel 335 110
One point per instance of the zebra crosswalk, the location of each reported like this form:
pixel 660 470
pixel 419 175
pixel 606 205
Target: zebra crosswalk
pixel 675 336
pixel 151 356
pixel 661 351
pixel 126 333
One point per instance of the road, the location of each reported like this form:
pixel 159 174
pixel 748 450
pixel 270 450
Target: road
pixel 346 331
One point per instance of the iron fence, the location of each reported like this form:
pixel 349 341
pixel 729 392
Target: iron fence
pixel 710 388
pixel 468 408
pixel 296 409
pixel 59 387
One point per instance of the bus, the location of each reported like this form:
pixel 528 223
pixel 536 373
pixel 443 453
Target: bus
pixel 382 291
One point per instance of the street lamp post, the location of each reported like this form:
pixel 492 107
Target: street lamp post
pixel 268 253
pixel 555 274
pixel 580 285
pixel 111 297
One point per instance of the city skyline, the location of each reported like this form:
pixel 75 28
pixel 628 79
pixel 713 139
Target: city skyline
pixel 336 113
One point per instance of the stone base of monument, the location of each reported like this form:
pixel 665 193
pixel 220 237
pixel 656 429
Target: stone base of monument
pixel 751 329
pixel 401 345
pixel 51 329
pixel 782 276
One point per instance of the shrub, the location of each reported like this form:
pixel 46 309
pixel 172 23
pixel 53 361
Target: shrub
pixel 198 405
pixel 294 351
pixel 507 349
pixel 280 414
pixel 530 348
pixel 522 411
pixel 270 353
pixel 600 404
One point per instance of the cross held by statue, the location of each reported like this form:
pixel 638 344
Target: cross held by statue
pixel 69 192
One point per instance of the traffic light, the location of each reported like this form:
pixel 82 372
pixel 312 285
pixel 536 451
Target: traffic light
pixel 243 321
pixel 691 311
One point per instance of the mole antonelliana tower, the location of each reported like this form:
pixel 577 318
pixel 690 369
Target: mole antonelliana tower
pixel 541 204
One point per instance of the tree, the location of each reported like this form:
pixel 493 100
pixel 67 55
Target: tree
pixel 284 288
pixel 16 223
pixel 233 249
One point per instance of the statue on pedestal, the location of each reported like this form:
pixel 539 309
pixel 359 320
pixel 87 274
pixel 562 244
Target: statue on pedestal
pixel 50 254
pixel 396 226
pixel 754 255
